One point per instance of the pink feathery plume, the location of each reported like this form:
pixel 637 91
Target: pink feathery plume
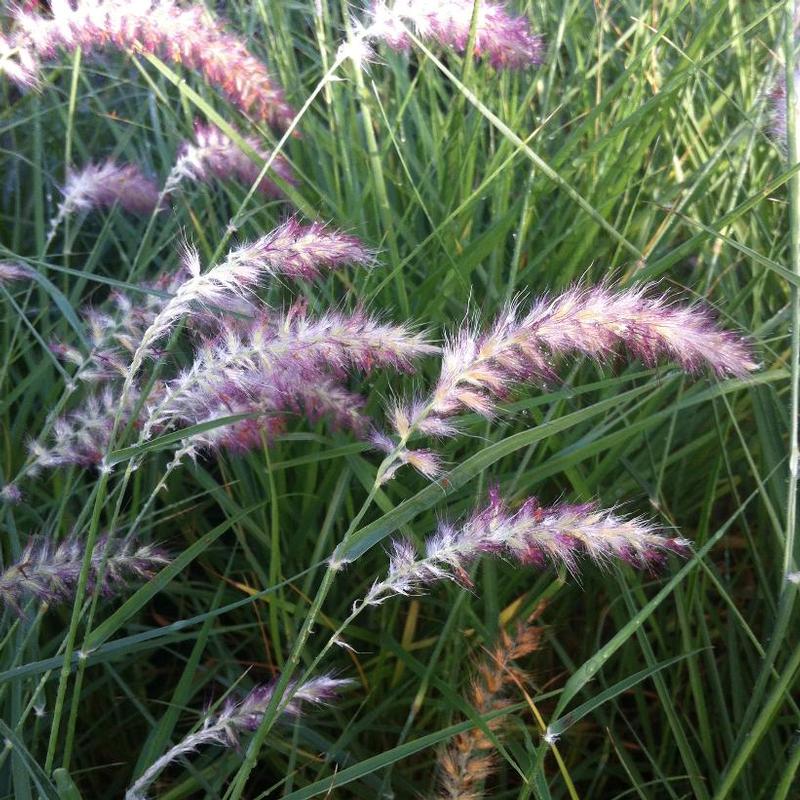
pixel 596 321
pixel 307 250
pixel 333 341
pixel 11 494
pixel 277 363
pixel 17 63
pixel 115 331
pixel 11 271
pixel 184 35
pixel 778 110
pixel 533 535
pixel 225 727
pixel 81 437
pixel 294 249
pixel 503 39
pixel 215 155
pixel 49 571
pixel 268 396
pixel 480 368
pixel 103 185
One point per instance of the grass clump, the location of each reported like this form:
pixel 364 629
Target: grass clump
pixel 287 285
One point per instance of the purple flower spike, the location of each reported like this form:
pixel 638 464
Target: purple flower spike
pixel 532 535
pixel 98 186
pixel 270 397
pixel 186 35
pixel 11 494
pixel 481 368
pixel 777 110
pixel 10 271
pixel 215 155
pixel 306 250
pixel 49 572
pixel 237 717
pixel 293 249
pixel 81 437
pixel 503 39
pixel 334 342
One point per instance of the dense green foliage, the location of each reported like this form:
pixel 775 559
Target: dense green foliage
pixel 474 185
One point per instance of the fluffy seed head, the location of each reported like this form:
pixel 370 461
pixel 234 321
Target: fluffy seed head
pixel 98 186
pixel 215 155
pixel 187 35
pixel 81 437
pixel 10 272
pixel 11 494
pixel 505 40
pixel 469 759
pixel 294 249
pixel 480 368
pixel 49 571
pixel 533 534
pixel 778 110
pixel 305 250
pixel 269 397
pixel 243 716
pixel 334 342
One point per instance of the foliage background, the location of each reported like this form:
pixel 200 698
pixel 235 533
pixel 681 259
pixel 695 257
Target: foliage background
pixel 649 116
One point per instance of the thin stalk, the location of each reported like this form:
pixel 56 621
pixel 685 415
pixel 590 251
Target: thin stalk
pixel 793 142
pixel 761 725
pixel 379 180
pixel 537 160
pixel 72 631
pixel 69 738
pixel 341 56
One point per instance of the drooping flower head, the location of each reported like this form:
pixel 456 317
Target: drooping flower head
pixel 11 271
pixel 115 330
pixel 81 437
pixel 534 534
pixel 215 155
pixel 187 35
pixel 99 186
pixel 226 727
pixel 11 494
pixel 294 250
pixel 269 398
pixel 596 322
pixel 49 571
pixel 307 250
pixel 469 758
pixel 278 365
pixel 505 40
pixel 334 342
pixel 778 110
pixel 479 368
